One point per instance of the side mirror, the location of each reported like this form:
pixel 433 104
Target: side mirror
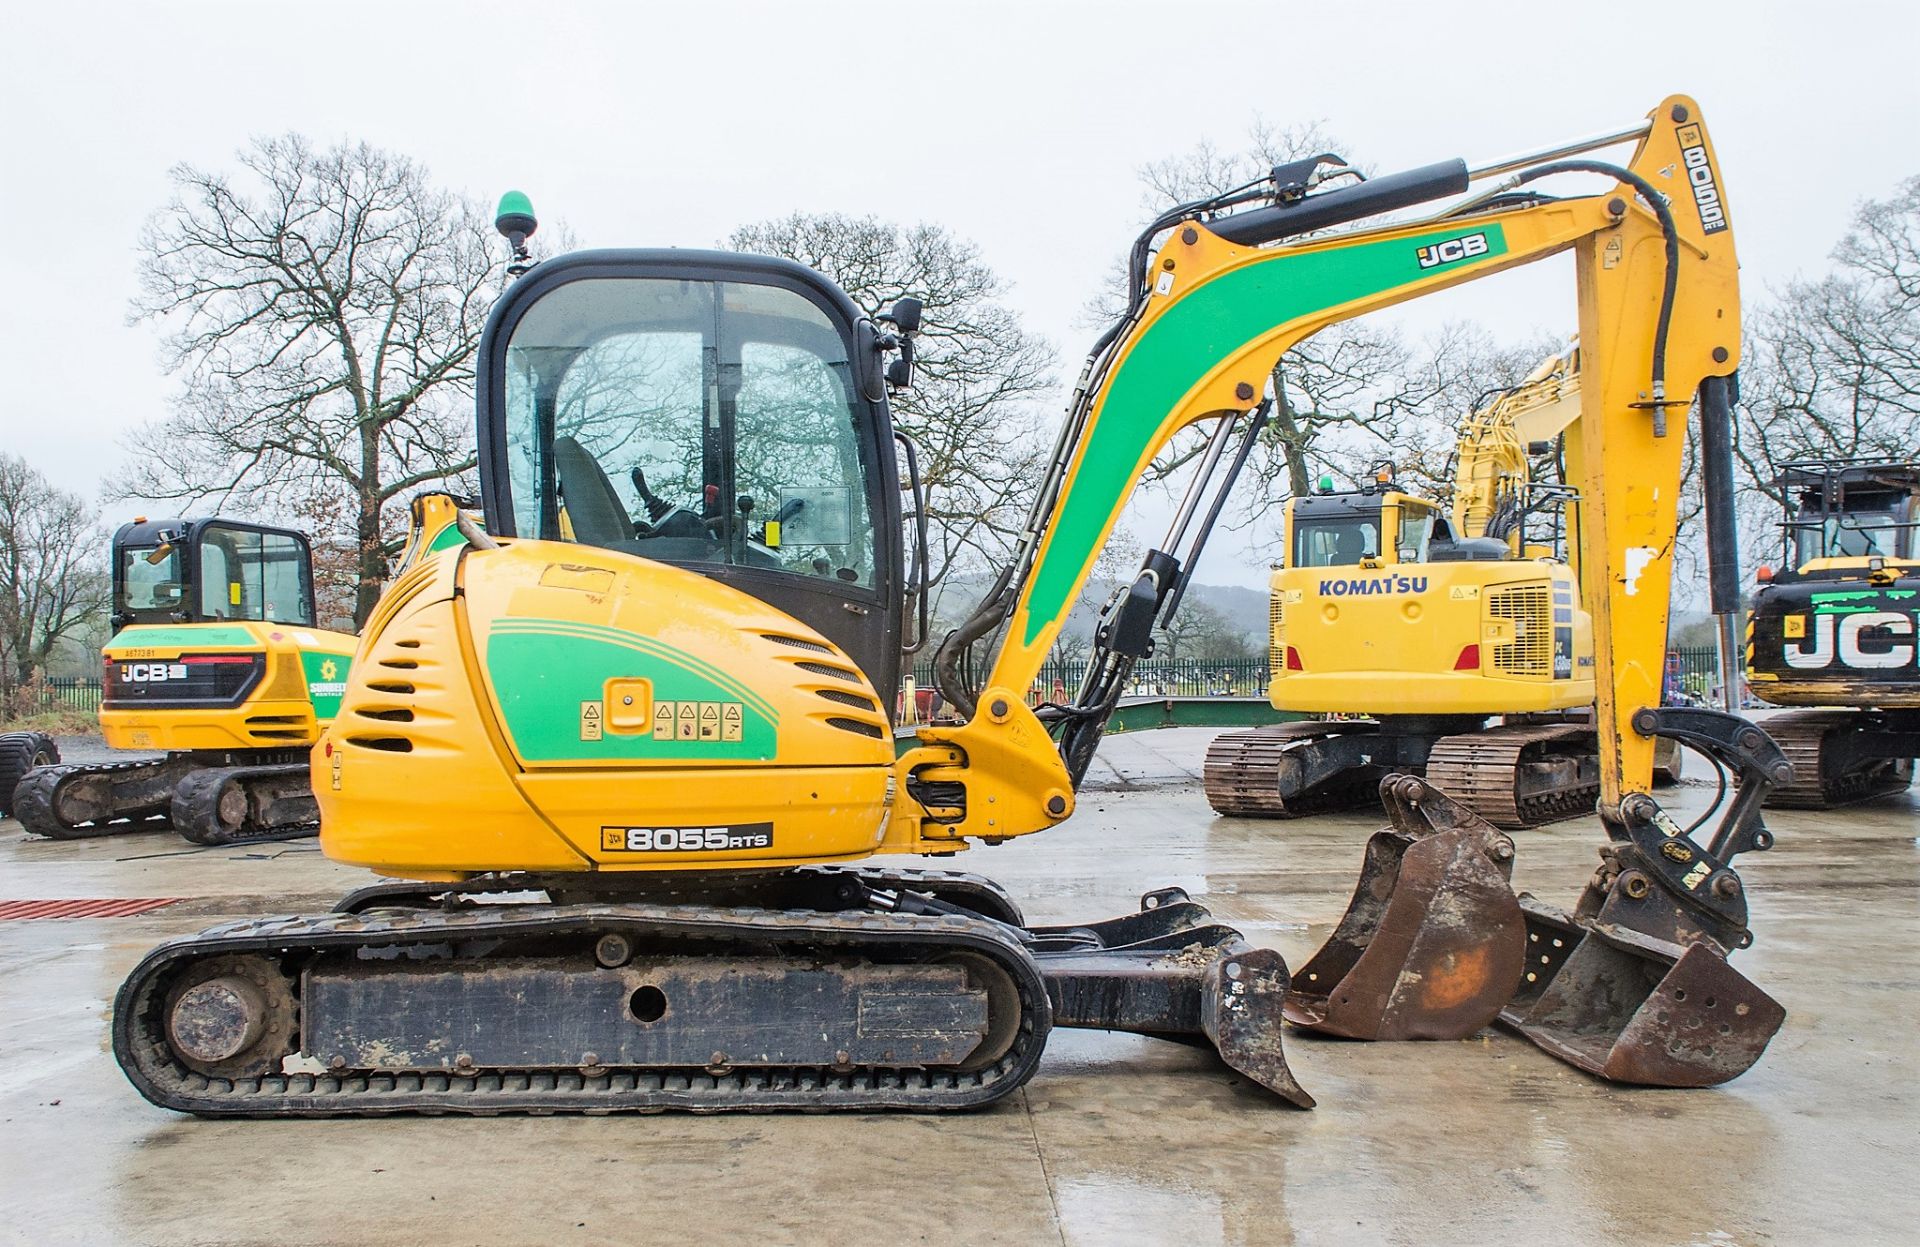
pixel 905 315
pixel 900 371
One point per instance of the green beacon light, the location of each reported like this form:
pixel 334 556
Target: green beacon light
pixel 1326 484
pixel 516 222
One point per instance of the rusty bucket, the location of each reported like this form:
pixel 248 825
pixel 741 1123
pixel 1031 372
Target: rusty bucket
pixel 1433 941
pixel 1633 1008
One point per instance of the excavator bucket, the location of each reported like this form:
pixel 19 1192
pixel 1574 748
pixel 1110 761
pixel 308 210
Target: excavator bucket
pixel 1432 943
pixel 1636 1009
pixel 1634 984
pixel 1171 972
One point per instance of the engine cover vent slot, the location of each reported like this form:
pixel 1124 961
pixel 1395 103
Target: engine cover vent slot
pixel 838 673
pixel 857 727
pixel 797 642
pixel 386 744
pixel 847 699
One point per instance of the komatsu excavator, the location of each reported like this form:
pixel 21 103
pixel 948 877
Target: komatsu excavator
pixel 628 754
pixel 1833 635
pixel 217 662
pixel 1429 621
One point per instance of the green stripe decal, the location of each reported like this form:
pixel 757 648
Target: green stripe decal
pixel 645 645
pixel 185 636
pixel 543 670
pixel 1181 347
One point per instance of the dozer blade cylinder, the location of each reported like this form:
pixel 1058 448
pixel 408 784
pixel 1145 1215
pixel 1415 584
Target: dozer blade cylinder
pixel 1635 1009
pixel 1172 973
pixel 1431 945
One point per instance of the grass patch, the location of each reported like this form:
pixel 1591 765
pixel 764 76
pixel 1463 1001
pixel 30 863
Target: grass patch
pixel 55 723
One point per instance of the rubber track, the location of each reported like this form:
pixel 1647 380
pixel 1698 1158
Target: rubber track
pixel 1242 773
pixel 140 1047
pixel 1802 735
pixel 35 797
pixel 20 752
pixel 196 806
pixel 1481 770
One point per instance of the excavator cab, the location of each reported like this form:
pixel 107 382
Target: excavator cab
pixel 210 571
pixel 717 412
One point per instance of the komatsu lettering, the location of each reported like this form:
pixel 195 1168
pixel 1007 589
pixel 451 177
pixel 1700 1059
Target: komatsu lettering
pixel 1341 588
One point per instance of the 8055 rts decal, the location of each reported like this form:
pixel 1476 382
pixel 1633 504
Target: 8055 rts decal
pixel 686 839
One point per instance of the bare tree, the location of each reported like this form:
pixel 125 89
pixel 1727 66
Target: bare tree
pixel 976 402
pixel 53 579
pixel 1831 366
pixel 1199 631
pixel 324 307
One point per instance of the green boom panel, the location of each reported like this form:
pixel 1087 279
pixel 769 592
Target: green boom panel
pixel 1182 346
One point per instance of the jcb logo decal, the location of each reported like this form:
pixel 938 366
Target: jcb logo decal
pixel 152 672
pixel 1843 640
pixel 1452 251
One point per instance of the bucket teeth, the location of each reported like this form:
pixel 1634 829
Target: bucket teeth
pixel 1432 943
pixel 1635 1009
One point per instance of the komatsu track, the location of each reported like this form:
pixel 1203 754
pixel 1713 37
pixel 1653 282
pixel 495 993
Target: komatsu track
pixel 1512 775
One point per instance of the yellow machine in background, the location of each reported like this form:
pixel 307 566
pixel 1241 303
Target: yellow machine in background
pixel 217 662
pixel 629 752
pixel 1429 622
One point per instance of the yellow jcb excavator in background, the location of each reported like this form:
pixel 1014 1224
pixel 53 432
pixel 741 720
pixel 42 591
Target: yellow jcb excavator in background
pixel 1429 621
pixel 216 662
pixel 628 753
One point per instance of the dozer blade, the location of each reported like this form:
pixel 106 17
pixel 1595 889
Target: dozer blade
pixel 1636 1009
pixel 1171 972
pixel 1432 943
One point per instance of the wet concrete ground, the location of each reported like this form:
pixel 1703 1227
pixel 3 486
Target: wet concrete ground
pixel 1117 1139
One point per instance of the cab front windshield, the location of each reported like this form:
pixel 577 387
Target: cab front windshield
pixel 1336 542
pixel 1857 532
pixel 696 422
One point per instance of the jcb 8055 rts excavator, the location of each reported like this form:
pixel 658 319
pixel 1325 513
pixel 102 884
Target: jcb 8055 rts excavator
pixel 628 753
pixel 1430 621
pixel 1835 629
pixel 216 661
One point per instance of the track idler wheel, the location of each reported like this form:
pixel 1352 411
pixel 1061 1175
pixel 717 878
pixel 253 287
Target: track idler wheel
pixel 231 1017
pixel 1432 943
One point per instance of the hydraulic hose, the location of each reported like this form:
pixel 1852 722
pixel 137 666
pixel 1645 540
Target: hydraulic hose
pixel 1670 234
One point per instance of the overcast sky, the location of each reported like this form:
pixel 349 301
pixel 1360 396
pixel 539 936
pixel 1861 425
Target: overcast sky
pixel 1021 126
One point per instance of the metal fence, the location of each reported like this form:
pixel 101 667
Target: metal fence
pixel 1693 675
pixel 47 696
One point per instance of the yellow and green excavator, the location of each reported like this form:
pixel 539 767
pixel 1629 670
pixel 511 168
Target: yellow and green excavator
pixel 627 754
pixel 217 663
pixel 1429 621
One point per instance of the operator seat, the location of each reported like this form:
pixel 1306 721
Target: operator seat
pixel 1349 547
pixel 593 508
